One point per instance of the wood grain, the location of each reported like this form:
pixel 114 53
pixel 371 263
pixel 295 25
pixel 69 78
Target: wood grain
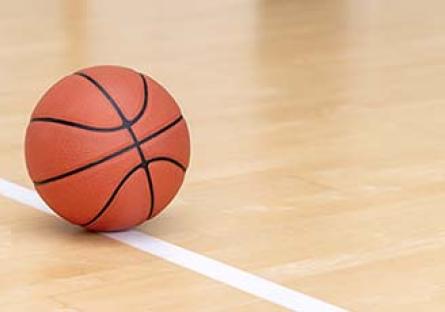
pixel 317 160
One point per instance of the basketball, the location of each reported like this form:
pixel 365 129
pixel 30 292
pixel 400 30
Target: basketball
pixel 107 148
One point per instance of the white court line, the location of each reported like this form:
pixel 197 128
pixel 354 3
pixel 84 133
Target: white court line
pixel 213 269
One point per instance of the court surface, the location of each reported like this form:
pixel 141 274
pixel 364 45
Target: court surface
pixel 318 159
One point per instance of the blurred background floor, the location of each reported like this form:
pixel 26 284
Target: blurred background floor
pixel 317 152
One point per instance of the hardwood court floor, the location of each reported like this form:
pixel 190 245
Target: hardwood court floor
pixel 318 156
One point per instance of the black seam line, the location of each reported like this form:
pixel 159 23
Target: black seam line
pixel 137 143
pixel 144 105
pixel 151 185
pixel 126 177
pixel 85 167
pixel 99 129
pixel 160 131
pixel 150 189
pixel 127 125
pixel 110 156
pixel 76 125
pixel 146 170
pixel 113 195
pixel 168 159
pixel 107 96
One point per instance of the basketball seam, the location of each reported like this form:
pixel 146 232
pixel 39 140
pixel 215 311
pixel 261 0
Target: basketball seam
pixel 127 126
pixel 75 124
pixel 110 156
pixel 125 178
pixel 137 142
pixel 107 96
pixel 113 195
pixel 99 129
pixel 146 170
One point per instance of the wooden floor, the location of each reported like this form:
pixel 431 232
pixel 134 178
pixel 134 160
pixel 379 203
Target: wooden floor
pixel 318 152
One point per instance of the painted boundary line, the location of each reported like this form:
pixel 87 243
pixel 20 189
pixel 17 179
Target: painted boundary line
pixel 244 281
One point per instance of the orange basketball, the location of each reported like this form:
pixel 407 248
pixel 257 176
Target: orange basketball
pixel 107 148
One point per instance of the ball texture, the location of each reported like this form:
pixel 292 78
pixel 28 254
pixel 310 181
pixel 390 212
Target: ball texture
pixel 107 148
